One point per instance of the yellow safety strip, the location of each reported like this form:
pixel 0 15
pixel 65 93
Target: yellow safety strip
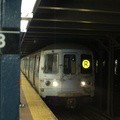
pixel 38 108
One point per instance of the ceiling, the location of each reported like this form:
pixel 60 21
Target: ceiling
pixel 89 22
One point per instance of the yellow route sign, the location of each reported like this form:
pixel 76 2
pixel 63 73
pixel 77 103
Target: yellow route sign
pixel 86 64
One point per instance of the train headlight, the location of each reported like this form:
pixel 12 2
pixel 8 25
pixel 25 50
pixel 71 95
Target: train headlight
pixel 55 84
pixel 83 83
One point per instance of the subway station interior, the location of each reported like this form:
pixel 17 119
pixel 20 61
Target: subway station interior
pixel 93 23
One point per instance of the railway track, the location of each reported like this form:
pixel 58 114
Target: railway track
pixel 81 113
pixel 93 114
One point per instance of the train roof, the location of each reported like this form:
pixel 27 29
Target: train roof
pixel 65 46
pixel 62 46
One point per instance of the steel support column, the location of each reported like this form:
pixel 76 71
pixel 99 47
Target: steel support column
pixel 100 78
pixel 9 59
pixel 110 79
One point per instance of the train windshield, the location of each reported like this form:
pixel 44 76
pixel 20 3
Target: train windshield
pixel 86 64
pixel 51 63
pixel 69 64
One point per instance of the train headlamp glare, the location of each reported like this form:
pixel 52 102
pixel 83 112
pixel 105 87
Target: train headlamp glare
pixel 83 83
pixel 55 84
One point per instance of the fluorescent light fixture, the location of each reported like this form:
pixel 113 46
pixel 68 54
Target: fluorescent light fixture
pixel 23 26
pixel 24 15
pixel 27 7
pixel 26 12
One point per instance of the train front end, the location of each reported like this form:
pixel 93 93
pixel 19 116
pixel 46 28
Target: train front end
pixel 68 77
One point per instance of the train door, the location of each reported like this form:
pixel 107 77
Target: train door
pixel 36 71
pixel 27 67
pixel 31 69
pixel 70 72
pixel 23 63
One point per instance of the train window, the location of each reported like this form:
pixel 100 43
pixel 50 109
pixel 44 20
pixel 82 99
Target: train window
pixel 86 64
pixel 69 64
pixel 51 63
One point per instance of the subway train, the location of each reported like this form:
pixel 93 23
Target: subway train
pixel 62 74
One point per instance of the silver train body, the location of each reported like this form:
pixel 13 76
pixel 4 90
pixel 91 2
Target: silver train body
pixel 63 72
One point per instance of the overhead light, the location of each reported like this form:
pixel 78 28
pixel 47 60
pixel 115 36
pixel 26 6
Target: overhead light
pixel 26 12
pixel 25 15
pixel 23 26
pixel 27 8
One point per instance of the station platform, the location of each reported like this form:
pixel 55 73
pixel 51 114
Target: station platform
pixel 35 108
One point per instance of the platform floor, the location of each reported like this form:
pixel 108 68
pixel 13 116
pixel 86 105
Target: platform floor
pixel 35 108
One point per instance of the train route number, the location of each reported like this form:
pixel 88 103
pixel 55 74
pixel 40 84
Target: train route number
pixel 86 64
pixel 2 40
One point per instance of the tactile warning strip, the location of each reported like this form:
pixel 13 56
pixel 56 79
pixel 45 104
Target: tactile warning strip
pixel 38 108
